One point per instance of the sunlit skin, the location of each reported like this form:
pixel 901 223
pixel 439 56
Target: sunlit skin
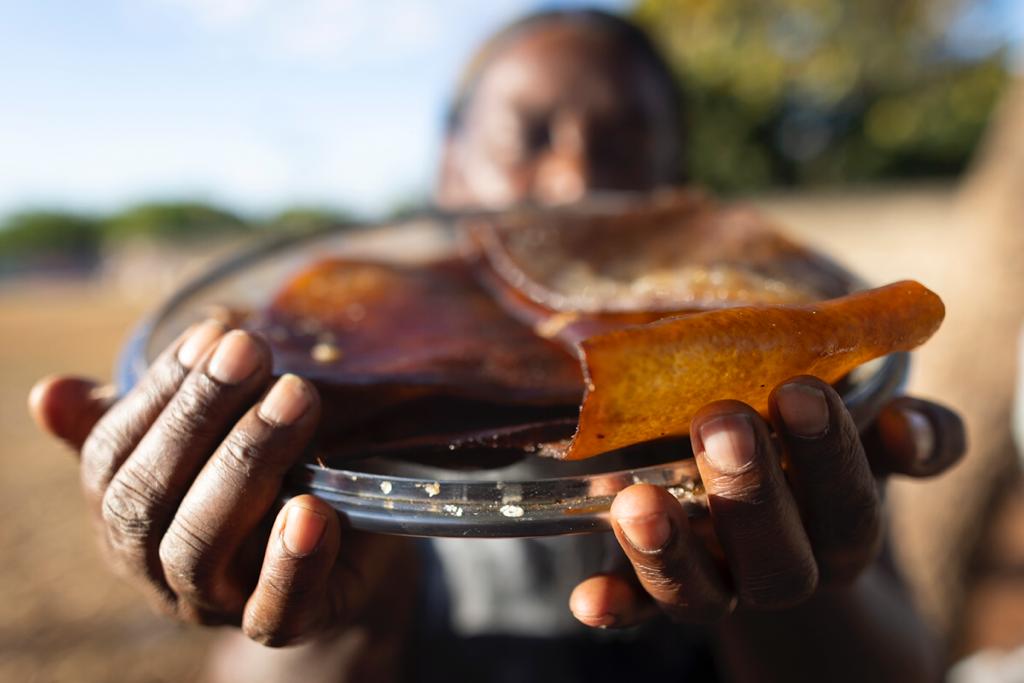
pixel 184 513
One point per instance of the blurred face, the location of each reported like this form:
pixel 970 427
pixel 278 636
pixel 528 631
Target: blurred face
pixel 560 111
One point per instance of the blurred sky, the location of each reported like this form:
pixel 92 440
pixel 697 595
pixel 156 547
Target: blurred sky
pixel 252 103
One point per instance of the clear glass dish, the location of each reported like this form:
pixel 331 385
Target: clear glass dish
pixel 533 497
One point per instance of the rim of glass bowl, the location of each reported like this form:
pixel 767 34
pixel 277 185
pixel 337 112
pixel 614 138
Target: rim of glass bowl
pixel 546 497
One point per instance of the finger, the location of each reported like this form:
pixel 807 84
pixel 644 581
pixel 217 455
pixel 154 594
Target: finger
pixel 916 438
pixel 830 476
pixel 235 489
pixel 143 496
pixel 116 435
pixel 611 601
pixel 752 509
pixel 668 559
pixel 69 407
pixel 293 599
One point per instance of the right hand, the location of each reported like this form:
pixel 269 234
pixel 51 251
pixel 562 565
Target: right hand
pixel 183 474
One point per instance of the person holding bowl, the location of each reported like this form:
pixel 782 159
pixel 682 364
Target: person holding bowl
pixel 787 581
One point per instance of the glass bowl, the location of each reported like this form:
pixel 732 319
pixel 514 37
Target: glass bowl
pixel 533 497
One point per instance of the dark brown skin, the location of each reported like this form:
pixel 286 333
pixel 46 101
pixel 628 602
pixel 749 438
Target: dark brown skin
pixel 789 576
pixel 183 473
pixel 559 112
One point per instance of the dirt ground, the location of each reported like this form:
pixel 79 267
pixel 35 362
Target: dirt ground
pixel 64 617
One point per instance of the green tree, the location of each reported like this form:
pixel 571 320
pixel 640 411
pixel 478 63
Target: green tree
pixel 302 218
pixel 806 91
pixel 49 231
pixel 173 221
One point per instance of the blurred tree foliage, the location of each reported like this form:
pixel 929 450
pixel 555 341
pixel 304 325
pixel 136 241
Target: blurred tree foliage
pixel 303 219
pixel 813 91
pixel 64 240
pixel 173 220
pixel 49 240
pixel 35 231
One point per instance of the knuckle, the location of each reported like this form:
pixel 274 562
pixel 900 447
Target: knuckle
pixel 238 455
pixel 657 580
pixel 194 399
pixel 128 514
pixel 185 556
pixel 745 486
pixel 683 594
pixel 178 423
pixel 653 576
pixel 244 453
pixel 166 375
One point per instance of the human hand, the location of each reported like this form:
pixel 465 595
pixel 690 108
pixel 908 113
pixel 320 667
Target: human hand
pixel 182 476
pixel 788 515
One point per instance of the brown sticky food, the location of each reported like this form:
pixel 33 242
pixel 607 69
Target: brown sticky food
pixel 646 314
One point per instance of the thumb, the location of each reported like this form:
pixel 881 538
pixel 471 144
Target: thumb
pixel 915 437
pixel 69 407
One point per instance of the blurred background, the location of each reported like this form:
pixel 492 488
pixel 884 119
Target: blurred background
pixel 140 141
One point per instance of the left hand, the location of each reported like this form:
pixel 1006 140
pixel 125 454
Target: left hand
pixel 788 515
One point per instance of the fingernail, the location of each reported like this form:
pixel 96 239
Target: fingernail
pixel 804 410
pixel 286 401
pixel 303 529
pixel 198 341
pixel 922 434
pixel 648 533
pixel 235 359
pixel 728 442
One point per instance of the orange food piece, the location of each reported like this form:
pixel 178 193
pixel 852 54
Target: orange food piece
pixel 647 382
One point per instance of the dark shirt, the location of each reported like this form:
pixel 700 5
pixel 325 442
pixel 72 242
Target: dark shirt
pixel 657 651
